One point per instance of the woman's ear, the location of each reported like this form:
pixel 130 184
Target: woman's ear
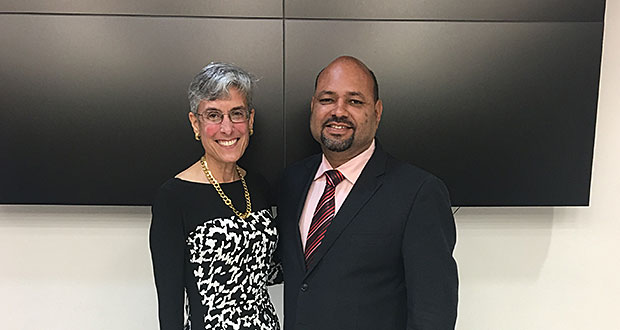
pixel 251 120
pixel 193 120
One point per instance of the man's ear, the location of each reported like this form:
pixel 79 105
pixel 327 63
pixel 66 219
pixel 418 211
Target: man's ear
pixel 378 110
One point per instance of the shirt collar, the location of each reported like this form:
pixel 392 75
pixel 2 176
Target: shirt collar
pixel 351 169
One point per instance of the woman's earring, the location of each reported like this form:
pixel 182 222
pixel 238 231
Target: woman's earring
pixel 251 131
pixel 196 136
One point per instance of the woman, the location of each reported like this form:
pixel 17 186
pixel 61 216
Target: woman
pixel 212 235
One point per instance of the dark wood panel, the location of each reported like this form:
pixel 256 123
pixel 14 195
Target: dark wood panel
pixel 94 109
pixel 264 8
pixel 503 112
pixel 521 10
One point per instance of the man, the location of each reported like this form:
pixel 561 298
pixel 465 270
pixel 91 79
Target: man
pixel 369 246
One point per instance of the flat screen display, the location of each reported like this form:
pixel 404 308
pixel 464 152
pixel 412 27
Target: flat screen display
pixel 500 104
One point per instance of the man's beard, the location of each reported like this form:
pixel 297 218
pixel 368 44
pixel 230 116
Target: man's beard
pixel 336 145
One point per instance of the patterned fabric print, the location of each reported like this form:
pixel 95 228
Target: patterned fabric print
pixel 232 258
pixel 187 323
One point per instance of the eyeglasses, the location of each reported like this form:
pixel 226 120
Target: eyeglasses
pixel 216 117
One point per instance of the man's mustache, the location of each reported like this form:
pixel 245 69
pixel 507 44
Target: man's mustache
pixel 338 120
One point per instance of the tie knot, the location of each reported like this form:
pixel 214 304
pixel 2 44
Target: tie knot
pixel 334 177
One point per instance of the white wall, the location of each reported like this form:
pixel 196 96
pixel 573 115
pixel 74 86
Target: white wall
pixel 552 268
pixel 88 268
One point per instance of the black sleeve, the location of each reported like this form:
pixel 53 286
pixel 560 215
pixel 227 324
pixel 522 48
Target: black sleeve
pixel 276 275
pixel 167 252
pixel 430 270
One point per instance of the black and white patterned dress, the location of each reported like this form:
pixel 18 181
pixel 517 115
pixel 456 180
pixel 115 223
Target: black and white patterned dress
pixel 211 267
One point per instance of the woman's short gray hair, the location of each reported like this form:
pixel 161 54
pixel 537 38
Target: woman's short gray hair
pixel 214 81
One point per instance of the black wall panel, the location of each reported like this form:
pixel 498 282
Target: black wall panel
pixel 503 112
pixel 497 97
pixel 522 10
pixel 94 109
pixel 251 8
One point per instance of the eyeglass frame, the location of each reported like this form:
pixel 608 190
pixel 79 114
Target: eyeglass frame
pixel 246 112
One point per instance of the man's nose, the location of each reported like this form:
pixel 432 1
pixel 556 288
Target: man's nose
pixel 340 108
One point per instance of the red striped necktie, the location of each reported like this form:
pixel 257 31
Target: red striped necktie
pixel 323 214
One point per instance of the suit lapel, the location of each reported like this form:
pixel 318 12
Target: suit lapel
pixel 305 180
pixel 365 187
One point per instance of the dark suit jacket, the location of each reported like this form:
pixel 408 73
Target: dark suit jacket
pixel 386 260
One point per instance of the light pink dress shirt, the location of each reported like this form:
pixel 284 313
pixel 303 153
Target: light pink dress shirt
pixel 351 171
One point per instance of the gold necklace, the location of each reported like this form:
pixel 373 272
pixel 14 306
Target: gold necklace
pixel 227 201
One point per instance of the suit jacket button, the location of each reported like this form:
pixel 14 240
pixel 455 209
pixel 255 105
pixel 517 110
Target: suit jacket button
pixel 304 287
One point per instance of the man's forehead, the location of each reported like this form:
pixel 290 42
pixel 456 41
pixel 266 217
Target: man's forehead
pixel 345 67
pixel 329 92
pixel 351 79
pixel 344 87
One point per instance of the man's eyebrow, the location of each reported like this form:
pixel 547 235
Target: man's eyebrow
pixel 324 92
pixel 353 93
pixel 356 94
